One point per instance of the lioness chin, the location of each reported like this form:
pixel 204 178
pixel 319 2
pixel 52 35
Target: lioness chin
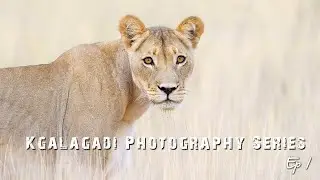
pixel 100 89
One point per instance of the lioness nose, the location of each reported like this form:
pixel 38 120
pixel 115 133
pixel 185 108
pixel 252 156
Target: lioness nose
pixel 167 89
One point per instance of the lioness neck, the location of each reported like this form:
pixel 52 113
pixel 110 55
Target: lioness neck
pixel 138 101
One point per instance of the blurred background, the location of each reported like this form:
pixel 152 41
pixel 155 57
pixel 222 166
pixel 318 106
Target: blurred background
pixel 256 74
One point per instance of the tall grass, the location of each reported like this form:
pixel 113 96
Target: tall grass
pixel 257 73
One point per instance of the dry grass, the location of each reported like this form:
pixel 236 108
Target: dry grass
pixel 257 73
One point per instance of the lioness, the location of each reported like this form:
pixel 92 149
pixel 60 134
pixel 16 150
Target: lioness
pixel 97 90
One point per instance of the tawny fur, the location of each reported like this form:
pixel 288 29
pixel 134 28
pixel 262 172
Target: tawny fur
pixel 95 89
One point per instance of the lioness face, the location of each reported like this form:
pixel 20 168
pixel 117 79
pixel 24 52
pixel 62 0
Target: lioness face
pixel 161 59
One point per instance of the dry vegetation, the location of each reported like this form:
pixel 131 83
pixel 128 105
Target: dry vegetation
pixel 257 73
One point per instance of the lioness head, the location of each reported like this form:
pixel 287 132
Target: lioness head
pixel 161 58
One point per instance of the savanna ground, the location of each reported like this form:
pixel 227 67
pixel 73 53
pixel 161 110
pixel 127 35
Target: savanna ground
pixel 257 73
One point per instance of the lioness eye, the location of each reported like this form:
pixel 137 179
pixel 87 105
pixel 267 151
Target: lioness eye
pixel 181 59
pixel 148 61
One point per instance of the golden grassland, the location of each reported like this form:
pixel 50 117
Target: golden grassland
pixel 256 73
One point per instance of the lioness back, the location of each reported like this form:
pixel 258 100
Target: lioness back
pixel 68 97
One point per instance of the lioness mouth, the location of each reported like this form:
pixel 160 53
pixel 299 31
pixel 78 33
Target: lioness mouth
pixel 167 101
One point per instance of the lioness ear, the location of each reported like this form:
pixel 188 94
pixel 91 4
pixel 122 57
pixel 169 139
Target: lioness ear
pixel 131 28
pixel 192 28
